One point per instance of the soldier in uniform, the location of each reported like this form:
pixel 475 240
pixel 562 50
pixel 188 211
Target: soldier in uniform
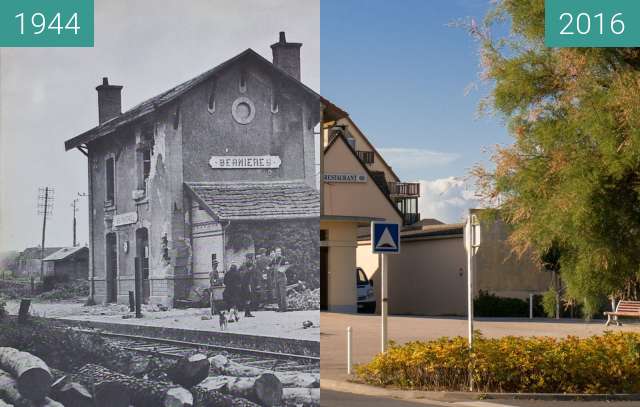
pixel 247 272
pixel 281 287
pixel 261 276
pixel 232 288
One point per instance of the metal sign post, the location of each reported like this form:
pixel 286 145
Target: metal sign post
pixel 384 307
pixel 385 239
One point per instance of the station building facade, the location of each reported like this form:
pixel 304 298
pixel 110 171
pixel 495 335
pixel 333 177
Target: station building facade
pixel 201 177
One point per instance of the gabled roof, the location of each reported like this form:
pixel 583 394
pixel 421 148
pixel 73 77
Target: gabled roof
pixel 256 200
pixel 366 140
pixel 34 253
pixel 174 93
pixel 65 253
pixel 336 113
pixel 331 112
pixel 363 166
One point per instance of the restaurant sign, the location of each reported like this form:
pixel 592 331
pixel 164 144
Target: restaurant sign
pixel 244 161
pixel 345 178
pixel 127 218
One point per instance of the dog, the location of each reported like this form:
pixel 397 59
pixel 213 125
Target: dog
pixel 223 321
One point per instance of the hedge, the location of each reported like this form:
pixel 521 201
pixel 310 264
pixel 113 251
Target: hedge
pixel 490 305
pixel 609 363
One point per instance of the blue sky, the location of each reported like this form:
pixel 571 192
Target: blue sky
pixel 402 74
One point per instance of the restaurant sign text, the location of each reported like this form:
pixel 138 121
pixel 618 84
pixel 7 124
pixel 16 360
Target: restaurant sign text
pixel 347 178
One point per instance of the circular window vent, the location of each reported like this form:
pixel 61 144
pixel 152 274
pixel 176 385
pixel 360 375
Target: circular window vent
pixel 243 110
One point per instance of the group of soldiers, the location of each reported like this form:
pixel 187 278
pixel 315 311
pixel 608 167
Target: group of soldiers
pixel 258 281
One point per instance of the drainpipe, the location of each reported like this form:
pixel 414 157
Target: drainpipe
pixel 92 288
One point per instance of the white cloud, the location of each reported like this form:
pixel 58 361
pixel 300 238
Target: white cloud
pixel 414 161
pixel 446 199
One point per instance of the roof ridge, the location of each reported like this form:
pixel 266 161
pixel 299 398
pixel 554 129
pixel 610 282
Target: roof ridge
pixel 151 104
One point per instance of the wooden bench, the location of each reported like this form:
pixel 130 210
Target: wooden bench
pixel 624 309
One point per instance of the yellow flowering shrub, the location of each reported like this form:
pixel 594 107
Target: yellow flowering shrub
pixel 609 363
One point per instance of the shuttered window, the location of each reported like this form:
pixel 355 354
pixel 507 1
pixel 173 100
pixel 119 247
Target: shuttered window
pixel 111 186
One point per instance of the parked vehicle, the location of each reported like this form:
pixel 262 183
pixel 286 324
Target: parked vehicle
pixel 366 295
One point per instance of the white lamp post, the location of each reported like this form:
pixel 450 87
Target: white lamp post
pixel 472 243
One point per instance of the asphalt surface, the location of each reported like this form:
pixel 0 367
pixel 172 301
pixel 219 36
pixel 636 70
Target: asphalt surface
pixel 338 399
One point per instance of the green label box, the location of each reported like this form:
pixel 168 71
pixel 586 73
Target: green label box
pixel 46 23
pixel 592 23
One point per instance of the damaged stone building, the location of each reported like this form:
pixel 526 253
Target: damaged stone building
pixel 203 176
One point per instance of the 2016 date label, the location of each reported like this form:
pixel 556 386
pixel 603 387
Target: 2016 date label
pixel 592 23
pixel 46 23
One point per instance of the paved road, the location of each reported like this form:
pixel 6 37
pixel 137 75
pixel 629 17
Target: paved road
pixel 336 399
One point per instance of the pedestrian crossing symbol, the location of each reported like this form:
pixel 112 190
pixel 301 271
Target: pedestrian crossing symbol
pixel 385 237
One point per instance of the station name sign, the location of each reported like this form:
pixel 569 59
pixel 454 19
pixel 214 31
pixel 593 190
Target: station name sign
pixel 127 218
pixel 345 178
pixel 244 161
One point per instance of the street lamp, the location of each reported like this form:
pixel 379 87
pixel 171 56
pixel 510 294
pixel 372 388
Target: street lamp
pixel 471 243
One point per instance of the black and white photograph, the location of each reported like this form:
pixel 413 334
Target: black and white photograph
pixel 160 209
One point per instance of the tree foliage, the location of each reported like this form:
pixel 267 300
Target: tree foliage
pixel 571 178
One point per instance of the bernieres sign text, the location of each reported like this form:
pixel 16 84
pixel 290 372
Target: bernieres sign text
pixel 122 219
pixel 245 161
pixel 345 178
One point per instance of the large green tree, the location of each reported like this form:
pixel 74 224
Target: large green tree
pixel 571 178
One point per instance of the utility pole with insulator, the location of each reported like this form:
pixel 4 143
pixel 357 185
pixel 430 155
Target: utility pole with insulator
pixel 45 208
pixel 74 205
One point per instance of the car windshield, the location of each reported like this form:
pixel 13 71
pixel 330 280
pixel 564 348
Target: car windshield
pixel 362 278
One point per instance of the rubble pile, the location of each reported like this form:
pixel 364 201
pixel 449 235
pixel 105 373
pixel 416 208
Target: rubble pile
pixel 300 298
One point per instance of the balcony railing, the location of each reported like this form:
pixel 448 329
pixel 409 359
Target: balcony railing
pixel 366 157
pixel 404 188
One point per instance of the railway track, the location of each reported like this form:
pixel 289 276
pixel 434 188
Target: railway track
pixel 172 348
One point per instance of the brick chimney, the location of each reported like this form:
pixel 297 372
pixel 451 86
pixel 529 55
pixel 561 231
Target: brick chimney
pixel 109 101
pixel 286 56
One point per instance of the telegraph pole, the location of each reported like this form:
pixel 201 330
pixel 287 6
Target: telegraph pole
pixel 45 207
pixel 75 210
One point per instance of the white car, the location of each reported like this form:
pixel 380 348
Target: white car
pixel 366 295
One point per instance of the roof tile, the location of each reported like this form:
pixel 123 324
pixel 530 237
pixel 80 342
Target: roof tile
pixel 258 200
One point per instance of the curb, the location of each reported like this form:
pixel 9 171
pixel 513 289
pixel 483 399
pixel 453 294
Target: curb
pixel 446 397
pixel 562 396
pixel 443 398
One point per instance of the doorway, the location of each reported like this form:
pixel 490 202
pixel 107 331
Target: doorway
pixel 112 268
pixel 142 254
pixel 324 278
